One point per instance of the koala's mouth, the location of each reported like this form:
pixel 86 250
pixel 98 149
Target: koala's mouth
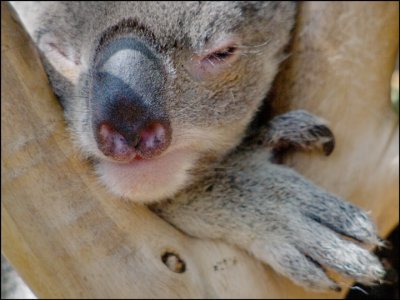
pixel 148 180
pixel 136 158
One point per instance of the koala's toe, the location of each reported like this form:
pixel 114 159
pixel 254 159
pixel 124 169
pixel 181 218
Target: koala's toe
pixel 342 217
pixel 324 138
pixel 346 257
pixel 287 260
pixel 328 146
pixel 299 130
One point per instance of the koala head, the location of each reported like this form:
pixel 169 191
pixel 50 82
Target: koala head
pixel 152 88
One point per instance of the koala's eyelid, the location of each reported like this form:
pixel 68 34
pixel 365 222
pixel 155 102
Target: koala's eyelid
pixel 220 45
pixel 216 56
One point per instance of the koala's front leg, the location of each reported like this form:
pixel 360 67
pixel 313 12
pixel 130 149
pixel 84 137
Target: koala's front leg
pixel 297 130
pixel 280 217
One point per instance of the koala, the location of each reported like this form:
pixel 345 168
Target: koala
pixel 162 97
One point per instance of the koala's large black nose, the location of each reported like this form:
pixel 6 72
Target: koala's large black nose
pixel 125 127
pixel 128 115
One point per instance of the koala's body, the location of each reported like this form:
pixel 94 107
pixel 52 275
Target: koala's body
pixel 160 95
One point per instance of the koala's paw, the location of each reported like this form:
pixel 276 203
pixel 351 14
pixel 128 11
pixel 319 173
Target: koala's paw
pixel 322 232
pixel 299 130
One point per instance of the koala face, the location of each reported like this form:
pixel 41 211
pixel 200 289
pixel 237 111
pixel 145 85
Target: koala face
pixel 155 87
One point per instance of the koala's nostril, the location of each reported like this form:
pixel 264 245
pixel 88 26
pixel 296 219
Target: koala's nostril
pixel 154 138
pixel 113 144
pixel 150 140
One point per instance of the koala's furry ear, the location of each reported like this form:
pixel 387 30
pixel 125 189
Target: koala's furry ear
pixel 62 56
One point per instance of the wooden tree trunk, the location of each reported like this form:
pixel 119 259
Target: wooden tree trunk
pixel 69 238
pixel 343 58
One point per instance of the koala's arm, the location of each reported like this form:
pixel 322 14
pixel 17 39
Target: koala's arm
pixel 281 218
pixel 275 213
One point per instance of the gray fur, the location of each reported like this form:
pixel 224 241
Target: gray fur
pixel 243 198
pixel 276 214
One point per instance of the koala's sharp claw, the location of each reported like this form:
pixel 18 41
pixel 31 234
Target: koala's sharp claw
pixel 391 275
pixel 336 288
pixel 321 130
pixel 384 243
pixel 328 147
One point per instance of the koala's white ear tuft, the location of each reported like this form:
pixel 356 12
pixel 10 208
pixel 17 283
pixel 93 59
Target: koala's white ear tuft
pixel 62 56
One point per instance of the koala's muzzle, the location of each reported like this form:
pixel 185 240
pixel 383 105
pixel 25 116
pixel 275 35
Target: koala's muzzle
pixel 128 115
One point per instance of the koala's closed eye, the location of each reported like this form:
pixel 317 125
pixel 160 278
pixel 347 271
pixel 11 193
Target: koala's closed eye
pixel 209 62
pixel 221 55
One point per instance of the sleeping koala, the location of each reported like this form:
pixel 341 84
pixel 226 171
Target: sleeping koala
pixel 161 95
